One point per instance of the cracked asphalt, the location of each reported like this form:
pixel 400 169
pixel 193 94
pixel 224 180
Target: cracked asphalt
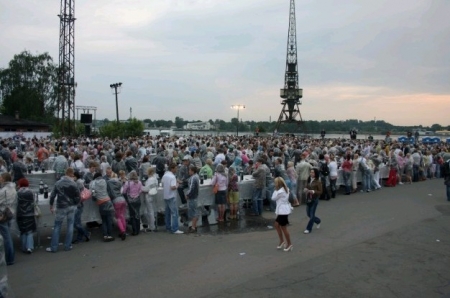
pixel 394 242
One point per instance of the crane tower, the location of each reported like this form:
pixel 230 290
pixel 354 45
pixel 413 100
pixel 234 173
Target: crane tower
pixel 291 93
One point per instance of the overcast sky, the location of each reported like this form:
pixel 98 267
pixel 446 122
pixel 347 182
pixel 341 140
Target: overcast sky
pixel 358 59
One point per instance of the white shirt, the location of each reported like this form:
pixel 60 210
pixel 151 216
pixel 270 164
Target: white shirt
pixel 168 181
pixel 332 166
pixel 282 200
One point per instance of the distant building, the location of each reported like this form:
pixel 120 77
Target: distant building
pixel 199 126
pixel 15 124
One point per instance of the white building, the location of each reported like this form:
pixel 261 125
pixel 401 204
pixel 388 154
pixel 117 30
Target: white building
pixel 199 126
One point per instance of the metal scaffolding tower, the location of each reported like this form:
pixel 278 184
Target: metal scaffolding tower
pixel 66 75
pixel 291 93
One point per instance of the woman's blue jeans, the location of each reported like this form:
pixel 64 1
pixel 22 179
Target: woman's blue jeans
pixel 258 201
pixel 27 241
pixel 171 215
pixel 347 181
pixel 69 214
pixel 311 213
pixel 81 231
pixel 9 245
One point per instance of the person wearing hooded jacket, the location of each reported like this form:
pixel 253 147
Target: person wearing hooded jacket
pixel 105 207
pixel 114 186
pixel 25 215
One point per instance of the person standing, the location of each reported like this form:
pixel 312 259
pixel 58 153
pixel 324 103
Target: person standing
pixel 150 189
pixel 8 199
pixel 446 174
pixel 132 189
pixel 105 207
pixel 60 166
pixel 324 173
pixel 114 186
pixel 68 198
pixel 221 179
pixel 191 197
pixel 333 168
pixel 293 178
pixel 42 154
pixel 303 168
pixel 233 193
pixel 258 187
pixel 183 176
pixel 25 215
pixel 131 162
pixel 160 162
pixel 19 169
pixel 283 209
pixel 355 168
pixel 347 166
pixel 170 185
pixel 81 231
pixel 313 190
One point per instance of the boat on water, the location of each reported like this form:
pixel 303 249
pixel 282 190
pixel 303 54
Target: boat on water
pixel 442 132
pixel 425 133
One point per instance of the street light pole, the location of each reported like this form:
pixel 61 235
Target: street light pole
pixel 116 87
pixel 237 107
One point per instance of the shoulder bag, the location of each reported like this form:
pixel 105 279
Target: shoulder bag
pixel 216 188
pixel 6 215
pixel 85 194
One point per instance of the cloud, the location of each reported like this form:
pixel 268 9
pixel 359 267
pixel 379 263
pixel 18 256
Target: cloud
pixel 196 58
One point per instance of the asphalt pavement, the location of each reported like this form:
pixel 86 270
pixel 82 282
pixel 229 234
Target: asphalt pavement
pixel 394 242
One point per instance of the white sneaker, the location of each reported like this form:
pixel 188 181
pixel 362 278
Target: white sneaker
pixel 318 226
pixel 178 232
pixel 306 232
pixel 400 183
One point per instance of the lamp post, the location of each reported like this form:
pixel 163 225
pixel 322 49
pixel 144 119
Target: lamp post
pixel 237 107
pixel 116 87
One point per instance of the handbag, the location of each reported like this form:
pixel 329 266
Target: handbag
pixel 6 215
pixel 216 188
pixel 37 211
pixel 85 194
pixel 153 191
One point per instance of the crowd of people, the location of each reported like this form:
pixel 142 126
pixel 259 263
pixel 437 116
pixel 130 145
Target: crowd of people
pixel 122 177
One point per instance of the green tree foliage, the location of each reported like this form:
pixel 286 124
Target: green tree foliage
pixel 179 122
pixel 29 85
pixel 131 128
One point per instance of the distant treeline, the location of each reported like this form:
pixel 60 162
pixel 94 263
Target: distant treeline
pixel 308 127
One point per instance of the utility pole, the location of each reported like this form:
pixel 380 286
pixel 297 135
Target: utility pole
pixel 116 87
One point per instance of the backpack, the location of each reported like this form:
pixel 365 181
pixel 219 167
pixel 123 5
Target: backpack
pixel 446 169
pixel 324 171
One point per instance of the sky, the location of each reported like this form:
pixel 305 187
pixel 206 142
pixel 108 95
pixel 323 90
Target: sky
pixel 194 59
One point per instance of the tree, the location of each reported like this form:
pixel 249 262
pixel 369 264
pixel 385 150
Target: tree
pixel 436 127
pixel 29 85
pixel 131 128
pixel 179 122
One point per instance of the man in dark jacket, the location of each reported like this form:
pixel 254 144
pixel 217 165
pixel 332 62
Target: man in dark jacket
pixel 131 162
pixel 182 178
pixel 19 169
pixel 160 162
pixel 6 155
pixel 68 198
